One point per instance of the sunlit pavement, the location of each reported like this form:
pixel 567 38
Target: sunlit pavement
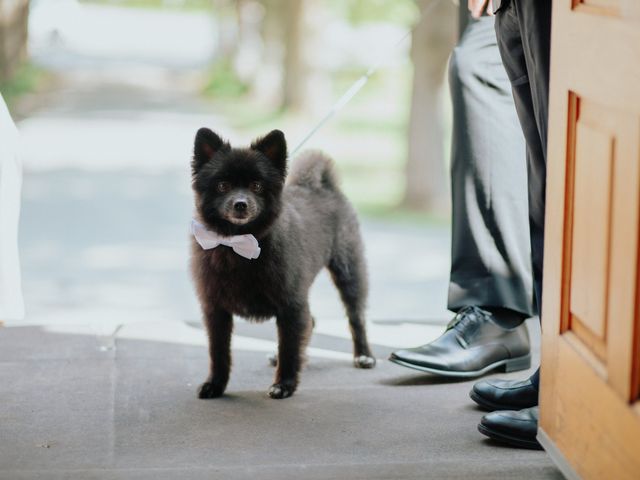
pixel 99 380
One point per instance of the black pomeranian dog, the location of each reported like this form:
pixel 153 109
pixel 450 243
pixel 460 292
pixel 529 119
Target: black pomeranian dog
pixel 258 245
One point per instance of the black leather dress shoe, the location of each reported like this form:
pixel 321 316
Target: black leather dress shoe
pixel 504 394
pixel 472 345
pixel 515 428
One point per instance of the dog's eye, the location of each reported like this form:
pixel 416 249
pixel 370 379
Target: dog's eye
pixel 256 187
pixel 223 187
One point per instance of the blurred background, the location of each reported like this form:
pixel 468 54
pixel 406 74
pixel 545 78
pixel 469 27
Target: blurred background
pixel 108 95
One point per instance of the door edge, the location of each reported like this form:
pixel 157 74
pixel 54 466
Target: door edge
pixel 556 456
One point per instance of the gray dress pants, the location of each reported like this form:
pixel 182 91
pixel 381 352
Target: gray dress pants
pixel 491 260
pixel 523 29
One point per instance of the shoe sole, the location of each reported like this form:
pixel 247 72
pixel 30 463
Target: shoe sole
pixel 490 406
pixel 509 440
pixel 509 365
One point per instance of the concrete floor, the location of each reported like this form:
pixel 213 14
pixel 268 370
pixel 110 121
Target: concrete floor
pixel 80 406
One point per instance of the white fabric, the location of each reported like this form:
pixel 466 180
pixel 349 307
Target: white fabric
pixel 11 302
pixel 244 245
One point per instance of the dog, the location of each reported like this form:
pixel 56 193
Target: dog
pixel 259 242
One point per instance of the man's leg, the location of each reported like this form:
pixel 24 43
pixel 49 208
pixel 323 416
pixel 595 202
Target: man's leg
pixel 491 288
pixel 491 259
pixel 523 28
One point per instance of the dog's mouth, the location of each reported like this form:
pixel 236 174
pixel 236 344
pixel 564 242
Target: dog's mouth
pixel 239 218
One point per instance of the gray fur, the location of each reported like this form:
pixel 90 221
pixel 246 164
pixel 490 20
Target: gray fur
pixel 302 228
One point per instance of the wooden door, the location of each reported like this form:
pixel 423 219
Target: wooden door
pixel 590 408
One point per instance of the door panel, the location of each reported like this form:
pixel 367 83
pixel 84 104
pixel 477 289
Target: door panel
pixel 602 171
pixel 593 167
pixel 590 414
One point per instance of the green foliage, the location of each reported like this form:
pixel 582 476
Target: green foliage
pixel 367 138
pixel 403 12
pixel 174 4
pixel 26 79
pixel 223 82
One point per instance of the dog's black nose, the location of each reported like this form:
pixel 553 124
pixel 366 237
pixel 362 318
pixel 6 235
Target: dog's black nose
pixel 240 206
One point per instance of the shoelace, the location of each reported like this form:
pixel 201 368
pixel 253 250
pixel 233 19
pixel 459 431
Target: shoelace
pixel 466 315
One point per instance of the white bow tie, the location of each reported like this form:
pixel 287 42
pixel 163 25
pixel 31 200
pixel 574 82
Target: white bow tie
pixel 244 245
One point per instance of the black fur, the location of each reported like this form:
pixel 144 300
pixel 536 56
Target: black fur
pixel 301 227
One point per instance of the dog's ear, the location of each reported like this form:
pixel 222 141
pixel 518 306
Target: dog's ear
pixel 274 146
pixel 207 144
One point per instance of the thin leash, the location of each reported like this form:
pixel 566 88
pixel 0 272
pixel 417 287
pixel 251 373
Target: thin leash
pixel 353 90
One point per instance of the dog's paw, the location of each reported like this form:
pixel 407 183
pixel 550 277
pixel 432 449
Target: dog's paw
pixel 211 390
pixel 273 359
pixel 281 390
pixel 364 361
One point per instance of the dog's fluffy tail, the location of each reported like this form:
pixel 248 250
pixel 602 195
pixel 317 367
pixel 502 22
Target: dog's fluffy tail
pixel 314 169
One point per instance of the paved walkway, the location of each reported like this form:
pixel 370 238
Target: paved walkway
pixel 99 380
